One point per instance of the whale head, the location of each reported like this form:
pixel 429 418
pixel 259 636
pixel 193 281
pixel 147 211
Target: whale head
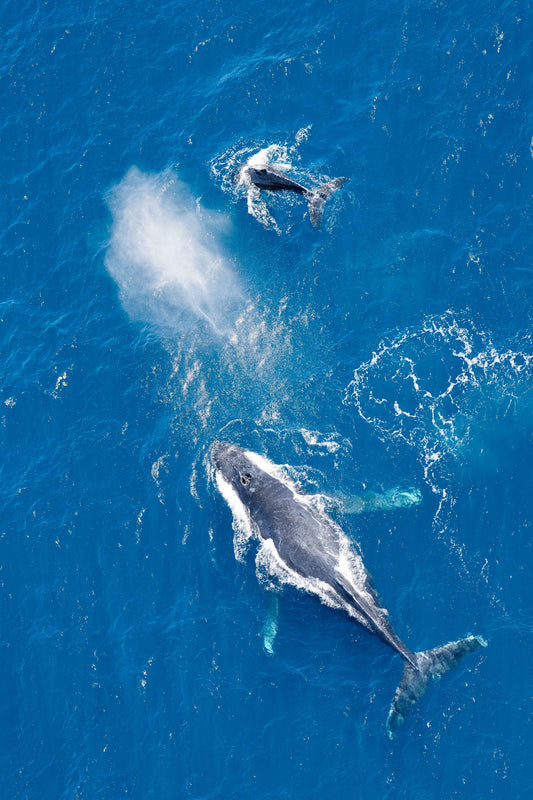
pixel 234 465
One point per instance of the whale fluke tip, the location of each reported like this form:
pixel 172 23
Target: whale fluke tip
pixel 415 679
pixel 317 199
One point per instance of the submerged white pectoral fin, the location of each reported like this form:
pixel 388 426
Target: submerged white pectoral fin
pixel 401 498
pixel 270 628
pixel 379 501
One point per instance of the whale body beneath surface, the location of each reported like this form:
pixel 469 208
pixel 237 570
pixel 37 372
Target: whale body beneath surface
pixel 309 545
pixel 274 180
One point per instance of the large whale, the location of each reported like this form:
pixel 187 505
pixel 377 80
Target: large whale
pixel 273 180
pixel 309 545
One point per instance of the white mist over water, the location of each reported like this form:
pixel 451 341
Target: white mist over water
pixel 164 257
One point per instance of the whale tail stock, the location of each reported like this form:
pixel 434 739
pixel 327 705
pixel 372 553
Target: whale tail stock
pixel 317 198
pixel 415 680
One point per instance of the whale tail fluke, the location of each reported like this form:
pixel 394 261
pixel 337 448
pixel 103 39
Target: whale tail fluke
pixel 317 198
pixel 415 680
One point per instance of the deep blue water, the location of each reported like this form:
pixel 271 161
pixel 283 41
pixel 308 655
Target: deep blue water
pixel 150 305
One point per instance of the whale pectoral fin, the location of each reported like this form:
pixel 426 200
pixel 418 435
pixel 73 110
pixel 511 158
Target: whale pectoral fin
pixel 398 498
pixel 270 628
pixel 350 504
pixel 384 501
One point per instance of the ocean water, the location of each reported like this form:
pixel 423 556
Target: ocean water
pixel 152 303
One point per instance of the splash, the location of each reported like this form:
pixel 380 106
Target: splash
pixel 242 529
pixel 229 170
pixel 446 390
pixel 163 255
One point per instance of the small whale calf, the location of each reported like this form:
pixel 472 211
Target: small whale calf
pixel 274 180
pixel 309 545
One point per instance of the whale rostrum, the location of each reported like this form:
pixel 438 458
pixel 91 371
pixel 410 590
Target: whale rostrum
pixel 311 546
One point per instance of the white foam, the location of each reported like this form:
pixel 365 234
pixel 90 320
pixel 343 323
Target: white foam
pixel 303 134
pixel 447 390
pixel 242 526
pixel 229 169
pixel 273 573
pixel 157 466
pixel 273 154
pixel 315 439
pixel 275 470
pixel 164 256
